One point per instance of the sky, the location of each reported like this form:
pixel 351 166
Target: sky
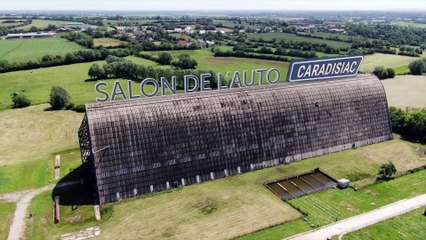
pixel 194 5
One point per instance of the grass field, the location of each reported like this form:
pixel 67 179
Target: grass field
pixel 36 84
pixel 41 24
pixel 409 24
pixel 408 226
pixel 6 215
pixel 406 91
pixel 107 42
pixel 206 61
pixel 241 204
pixel 386 60
pixel 293 37
pixel 333 204
pixel 31 133
pixel 23 50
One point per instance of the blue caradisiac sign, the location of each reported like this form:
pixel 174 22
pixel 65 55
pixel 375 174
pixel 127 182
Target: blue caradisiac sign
pixel 316 69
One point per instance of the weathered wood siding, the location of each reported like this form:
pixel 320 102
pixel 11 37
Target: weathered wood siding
pixel 147 145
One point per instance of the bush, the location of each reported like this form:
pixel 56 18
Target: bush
pixel 380 72
pixel 185 62
pixel 59 98
pixel 391 72
pixel 165 58
pixel 411 124
pixel 96 71
pixel 417 67
pixel 386 171
pixel 20 100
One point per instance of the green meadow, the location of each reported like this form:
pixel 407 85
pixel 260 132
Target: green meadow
pixel 411 225
pixel 398 62
pixel 293 37
pixel 23 50
pixel 42 23
pixel 6 215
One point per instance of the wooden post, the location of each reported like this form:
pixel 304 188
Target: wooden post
pixel 57 210
pixel 97 212
pixel 57 166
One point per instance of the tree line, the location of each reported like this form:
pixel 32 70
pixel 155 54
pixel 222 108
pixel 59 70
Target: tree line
pixel 56 60
pixel 123 68
pixel 409 123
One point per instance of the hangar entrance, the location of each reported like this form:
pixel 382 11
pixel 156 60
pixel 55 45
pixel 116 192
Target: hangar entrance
pixel 303 184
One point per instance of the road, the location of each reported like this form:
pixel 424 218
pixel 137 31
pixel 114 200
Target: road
pixel 22 199
pixel 363 220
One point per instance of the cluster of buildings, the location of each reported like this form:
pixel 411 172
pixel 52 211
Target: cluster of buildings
pixel 70 27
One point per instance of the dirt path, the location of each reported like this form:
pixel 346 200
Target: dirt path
pixel 22 199
pixel 363 220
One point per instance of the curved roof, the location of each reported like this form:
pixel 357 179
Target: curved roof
pixel 140 146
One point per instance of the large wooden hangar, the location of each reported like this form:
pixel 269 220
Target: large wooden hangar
pixel 141 146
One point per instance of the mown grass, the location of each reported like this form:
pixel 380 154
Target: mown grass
pixel 24 50
pixel 6 215
pixel 37 173
pixel 41 24
pixel 32 134
pixel 411 225
pixel 387 60
pixel 107 42
pixel 241 204
pixel 406 91
pixel 332 205
pixel 293 37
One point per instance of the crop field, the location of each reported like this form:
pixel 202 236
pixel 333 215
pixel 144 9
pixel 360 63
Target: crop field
pixel 293 37
pixel 332 205
pixel 386 60
pixel 411 225
pixel 41 24
pixel 107 42
pixel 10 24
pixel 23 50
pixel 406 91
pixel 242 204
pixel 36 84
pixel 6 215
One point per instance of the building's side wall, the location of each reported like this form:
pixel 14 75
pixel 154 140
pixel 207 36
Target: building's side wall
pixel 165 144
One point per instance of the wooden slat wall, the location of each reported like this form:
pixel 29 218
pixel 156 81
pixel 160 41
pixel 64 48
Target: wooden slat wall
pixel 147 145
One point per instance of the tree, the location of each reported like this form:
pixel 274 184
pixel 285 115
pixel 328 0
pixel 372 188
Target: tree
pixel 390 72
pixel 417 67
pixel 415 124
pixel 397 117
pixel 165 58
pixel 20 100
pixel 59 97
pixel 96 71
pixel 386 171
pixel 380 72
pixel 185 62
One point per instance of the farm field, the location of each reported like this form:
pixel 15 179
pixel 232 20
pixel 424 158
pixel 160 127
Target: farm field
pixel 23 50
pixel 42 23
pixel 293 37
pixel 241 204
pixel 333 204
pixel 36 84
pixel 406 91
pixel 6 214
pixel 408 226
pixel 9 24
pixel 107 42
pixel 386 60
